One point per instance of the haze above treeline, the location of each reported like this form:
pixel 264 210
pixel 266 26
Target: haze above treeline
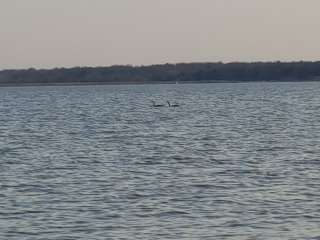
pixel 167 73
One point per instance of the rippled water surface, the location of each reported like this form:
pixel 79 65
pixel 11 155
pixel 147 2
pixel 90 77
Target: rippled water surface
pixel 234 161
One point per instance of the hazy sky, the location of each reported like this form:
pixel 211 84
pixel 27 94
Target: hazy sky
pixel 56 33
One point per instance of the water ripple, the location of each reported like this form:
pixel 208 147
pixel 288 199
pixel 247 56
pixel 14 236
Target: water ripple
pixel 234 161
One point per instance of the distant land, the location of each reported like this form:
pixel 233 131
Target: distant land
pixel 166 73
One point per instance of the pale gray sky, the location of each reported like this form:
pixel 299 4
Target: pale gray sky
pixel 56 33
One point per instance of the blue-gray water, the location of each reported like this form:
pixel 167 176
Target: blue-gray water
pixel 234 161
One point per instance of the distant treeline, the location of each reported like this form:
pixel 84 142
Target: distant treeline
pixel 168 73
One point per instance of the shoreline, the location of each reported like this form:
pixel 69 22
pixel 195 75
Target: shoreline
pixel 148 83
pixel 183 73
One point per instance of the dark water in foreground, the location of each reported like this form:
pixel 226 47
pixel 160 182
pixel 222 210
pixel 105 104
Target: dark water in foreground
pixel 235 161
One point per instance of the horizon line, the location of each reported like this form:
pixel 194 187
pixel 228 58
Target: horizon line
pixel 157 64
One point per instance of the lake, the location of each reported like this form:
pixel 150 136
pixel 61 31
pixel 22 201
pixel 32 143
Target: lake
pixel 233 161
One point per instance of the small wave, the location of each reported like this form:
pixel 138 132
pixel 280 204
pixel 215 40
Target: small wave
pixel 172 213
pixel 202 186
